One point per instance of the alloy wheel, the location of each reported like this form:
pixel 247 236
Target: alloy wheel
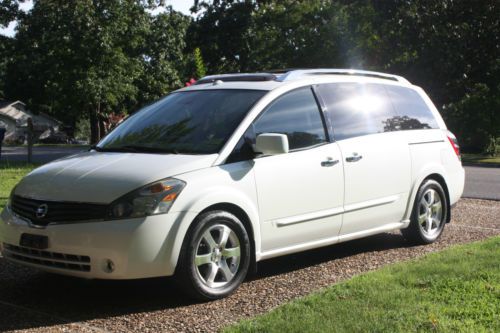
pixel 217 257
pixel 430 213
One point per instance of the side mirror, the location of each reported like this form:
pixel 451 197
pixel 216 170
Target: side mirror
pixel 271 144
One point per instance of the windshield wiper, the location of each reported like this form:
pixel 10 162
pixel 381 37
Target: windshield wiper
pixel 95 147
pixel 145 149
pixel 136 149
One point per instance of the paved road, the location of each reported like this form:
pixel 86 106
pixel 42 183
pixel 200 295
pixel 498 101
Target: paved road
pixel 40 154
pixel 482 183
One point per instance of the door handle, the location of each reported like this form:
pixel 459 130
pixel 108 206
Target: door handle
pixel 354 158
pixel 329 162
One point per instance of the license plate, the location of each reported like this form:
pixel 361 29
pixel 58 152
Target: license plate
pixel 34 241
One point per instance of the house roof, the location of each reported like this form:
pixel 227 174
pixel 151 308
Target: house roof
pixel 4 104
pixel 21 115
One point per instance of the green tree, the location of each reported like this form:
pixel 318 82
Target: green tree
pixel 5 57
pixel 452 49
pixel 302 34
pixel 9 9
pixel 90 57
pixel 476 118
pixel 163 56
pixel 93 57
pixel 274 34
pixel 201 70
pixel 222 34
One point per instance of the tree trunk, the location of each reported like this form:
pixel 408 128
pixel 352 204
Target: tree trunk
pixel 94 127
pixel 102 128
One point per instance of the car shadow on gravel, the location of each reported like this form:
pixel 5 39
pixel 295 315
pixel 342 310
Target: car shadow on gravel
pixel 296 261
pixel 30 299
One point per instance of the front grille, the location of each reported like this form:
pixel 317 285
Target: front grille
pixel 57 211
pixel 48 259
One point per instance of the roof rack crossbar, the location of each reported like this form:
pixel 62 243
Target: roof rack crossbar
pixel 295 74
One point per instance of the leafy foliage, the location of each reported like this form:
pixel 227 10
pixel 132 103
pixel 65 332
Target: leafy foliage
pixel 201 70
pixel 163 57
pixel 474 121
pixel 9 10
pixel 93 57
pixel 222 34
pixel 5 57
pixel 85 59
pixel 449 47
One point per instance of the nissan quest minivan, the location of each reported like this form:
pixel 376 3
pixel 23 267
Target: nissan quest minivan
pixel 236 169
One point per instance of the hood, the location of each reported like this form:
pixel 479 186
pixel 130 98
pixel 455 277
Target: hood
pixel 101 177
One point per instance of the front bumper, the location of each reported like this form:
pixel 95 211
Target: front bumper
pixel 120 249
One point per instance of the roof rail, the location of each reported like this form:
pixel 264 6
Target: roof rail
pixel 296 74
pixel 237 77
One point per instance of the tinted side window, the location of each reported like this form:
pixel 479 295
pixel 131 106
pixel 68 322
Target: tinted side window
pixel 357 109
pixel 412 111
pixel 295 114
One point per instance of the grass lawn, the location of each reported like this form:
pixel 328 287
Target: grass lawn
pixel 479 158
pixel 10 174
pixel 457 290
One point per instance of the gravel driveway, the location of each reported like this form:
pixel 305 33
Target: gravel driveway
pixel 41 302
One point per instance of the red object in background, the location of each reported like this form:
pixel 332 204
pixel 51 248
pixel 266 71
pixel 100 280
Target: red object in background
pixel 113 119
pixel 190 82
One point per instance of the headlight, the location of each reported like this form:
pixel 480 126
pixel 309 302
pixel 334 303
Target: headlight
pixel 152 199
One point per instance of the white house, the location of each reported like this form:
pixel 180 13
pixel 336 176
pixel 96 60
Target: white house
pixel 14 117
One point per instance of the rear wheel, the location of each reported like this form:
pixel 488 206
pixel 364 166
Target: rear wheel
pixel 429 214
pixel 215 257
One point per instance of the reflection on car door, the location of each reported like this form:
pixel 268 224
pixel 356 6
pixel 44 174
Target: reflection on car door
pixel 376 157
pixel 300 194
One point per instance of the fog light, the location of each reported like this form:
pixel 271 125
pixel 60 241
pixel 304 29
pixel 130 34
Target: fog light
pixel 108 266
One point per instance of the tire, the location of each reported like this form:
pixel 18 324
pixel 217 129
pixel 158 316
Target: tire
pixel 429 214
pixel 215 256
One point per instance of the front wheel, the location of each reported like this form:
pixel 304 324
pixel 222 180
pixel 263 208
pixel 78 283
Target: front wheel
pixel 429 214
pixel 215 256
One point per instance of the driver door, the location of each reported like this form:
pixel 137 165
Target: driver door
pixel 300 193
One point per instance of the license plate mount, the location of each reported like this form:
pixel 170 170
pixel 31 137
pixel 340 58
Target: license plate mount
pixel 38 242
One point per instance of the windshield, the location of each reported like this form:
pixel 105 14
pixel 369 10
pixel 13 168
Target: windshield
pixel 193 122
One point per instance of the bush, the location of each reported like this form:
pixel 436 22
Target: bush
pixel 475 119
pixel 82 131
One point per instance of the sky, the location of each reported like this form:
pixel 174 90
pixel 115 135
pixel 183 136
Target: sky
pixel 179 5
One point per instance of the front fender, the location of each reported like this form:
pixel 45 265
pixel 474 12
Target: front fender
pixel 226 195
pixel 232 184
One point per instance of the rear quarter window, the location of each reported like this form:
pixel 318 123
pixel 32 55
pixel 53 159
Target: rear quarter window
pixel 357 109
pixel 412 111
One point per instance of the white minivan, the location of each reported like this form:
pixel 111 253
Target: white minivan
pixel 236 169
